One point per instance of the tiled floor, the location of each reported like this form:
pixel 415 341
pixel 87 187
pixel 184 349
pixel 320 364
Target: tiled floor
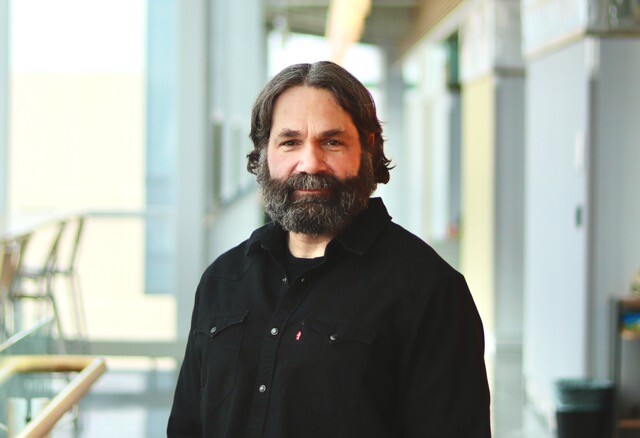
pixel 124 404
pixel 135 404
pixel 511 417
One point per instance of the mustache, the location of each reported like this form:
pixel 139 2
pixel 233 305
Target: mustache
pixel 306 181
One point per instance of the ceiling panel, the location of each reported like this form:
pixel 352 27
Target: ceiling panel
pixel 389 21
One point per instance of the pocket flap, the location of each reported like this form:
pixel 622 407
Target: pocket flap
pixel 218 324
pixel 340 331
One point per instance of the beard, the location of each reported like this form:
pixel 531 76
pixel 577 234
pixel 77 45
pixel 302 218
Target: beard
pixel 330 212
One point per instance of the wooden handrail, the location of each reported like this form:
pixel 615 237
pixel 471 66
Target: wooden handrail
pixel 89 368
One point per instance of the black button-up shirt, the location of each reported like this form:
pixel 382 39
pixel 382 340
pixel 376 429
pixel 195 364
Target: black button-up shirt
pixel 381 339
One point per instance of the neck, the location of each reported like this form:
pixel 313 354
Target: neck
pixel 308 246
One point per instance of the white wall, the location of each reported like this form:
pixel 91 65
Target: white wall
pixel 555 300
pixel 615 224
pixel 509 204
pixel 222 69
pixel 582 151
pixel 235 224
pixel 394 192
pixel 237 74
pixel 421 182
pixel 410 166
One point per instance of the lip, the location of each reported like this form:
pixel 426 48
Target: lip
pixel 318 192
pixel 311 191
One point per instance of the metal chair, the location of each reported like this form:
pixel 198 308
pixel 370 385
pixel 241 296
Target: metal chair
pixel 12 258
pixel 41 278
pixel 8 258
pixel 60 261
pixel 67 268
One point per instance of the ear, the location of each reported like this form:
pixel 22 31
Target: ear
pixel 371 140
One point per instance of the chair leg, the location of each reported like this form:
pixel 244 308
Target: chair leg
pixel 77 308
pixel 17 316
pixel 4 320
pixel 56 314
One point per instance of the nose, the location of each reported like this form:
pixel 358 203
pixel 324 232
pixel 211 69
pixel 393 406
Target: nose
pixel 312 160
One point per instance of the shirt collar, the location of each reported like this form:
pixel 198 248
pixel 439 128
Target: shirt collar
pixel 269 237
pixel 365 229
pixel 357 237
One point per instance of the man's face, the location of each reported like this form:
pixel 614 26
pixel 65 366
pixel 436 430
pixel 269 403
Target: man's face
pixel 312 134
pixel 314 175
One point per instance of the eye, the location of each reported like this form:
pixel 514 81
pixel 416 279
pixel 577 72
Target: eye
pixel 288 143
pixel 333 143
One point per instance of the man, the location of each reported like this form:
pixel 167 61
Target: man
pixel 331 321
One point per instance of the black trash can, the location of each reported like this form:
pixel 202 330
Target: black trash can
pixel 584 408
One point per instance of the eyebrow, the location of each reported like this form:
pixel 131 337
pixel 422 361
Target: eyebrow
pixel 288 133
pixel 333 133
pixel 292 133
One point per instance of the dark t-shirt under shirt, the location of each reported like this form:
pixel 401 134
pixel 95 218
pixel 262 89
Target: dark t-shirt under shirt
pixel 296 266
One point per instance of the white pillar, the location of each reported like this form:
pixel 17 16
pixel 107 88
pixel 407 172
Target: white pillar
pixel 4 111
pixel 191 162
pixel 394 100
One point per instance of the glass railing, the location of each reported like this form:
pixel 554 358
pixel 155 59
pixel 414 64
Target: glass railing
pixel 38 388
pixel 39 384
pixel 19 390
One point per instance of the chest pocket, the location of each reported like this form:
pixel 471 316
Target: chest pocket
pixel 220 340
pixel 329 364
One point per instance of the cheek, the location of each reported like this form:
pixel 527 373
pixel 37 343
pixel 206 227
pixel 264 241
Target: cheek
pixel 349 166
pixel 277 165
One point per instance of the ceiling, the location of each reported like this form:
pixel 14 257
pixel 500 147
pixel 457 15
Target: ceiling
pixel 388 22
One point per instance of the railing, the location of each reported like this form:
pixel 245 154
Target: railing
pixel 31 342
pixel 27 373
pixel 22 336
pixel 116 264
pixel 90 369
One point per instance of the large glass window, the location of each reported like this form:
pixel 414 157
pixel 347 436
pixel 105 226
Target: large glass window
pixel 93 130
pixel 161 139
pixel 4 67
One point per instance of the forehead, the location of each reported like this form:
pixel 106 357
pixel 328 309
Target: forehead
pixel 302 106
pixel 306 93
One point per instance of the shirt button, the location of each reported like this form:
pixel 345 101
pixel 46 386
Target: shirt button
pixel 213 329
pixel 302 280
pixel 333 337
pixel 262 388
pixel 274 331
pixel 284 279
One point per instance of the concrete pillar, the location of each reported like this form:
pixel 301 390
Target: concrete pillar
pixel 491 234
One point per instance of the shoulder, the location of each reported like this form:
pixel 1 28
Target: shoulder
pixel 409 253
pixel 431 280
pixel 409 266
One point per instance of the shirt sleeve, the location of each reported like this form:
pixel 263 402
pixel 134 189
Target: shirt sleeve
pixel 184 420
pixel 443 379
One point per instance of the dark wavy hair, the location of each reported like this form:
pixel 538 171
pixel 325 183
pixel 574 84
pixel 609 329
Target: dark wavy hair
pixel 350 94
